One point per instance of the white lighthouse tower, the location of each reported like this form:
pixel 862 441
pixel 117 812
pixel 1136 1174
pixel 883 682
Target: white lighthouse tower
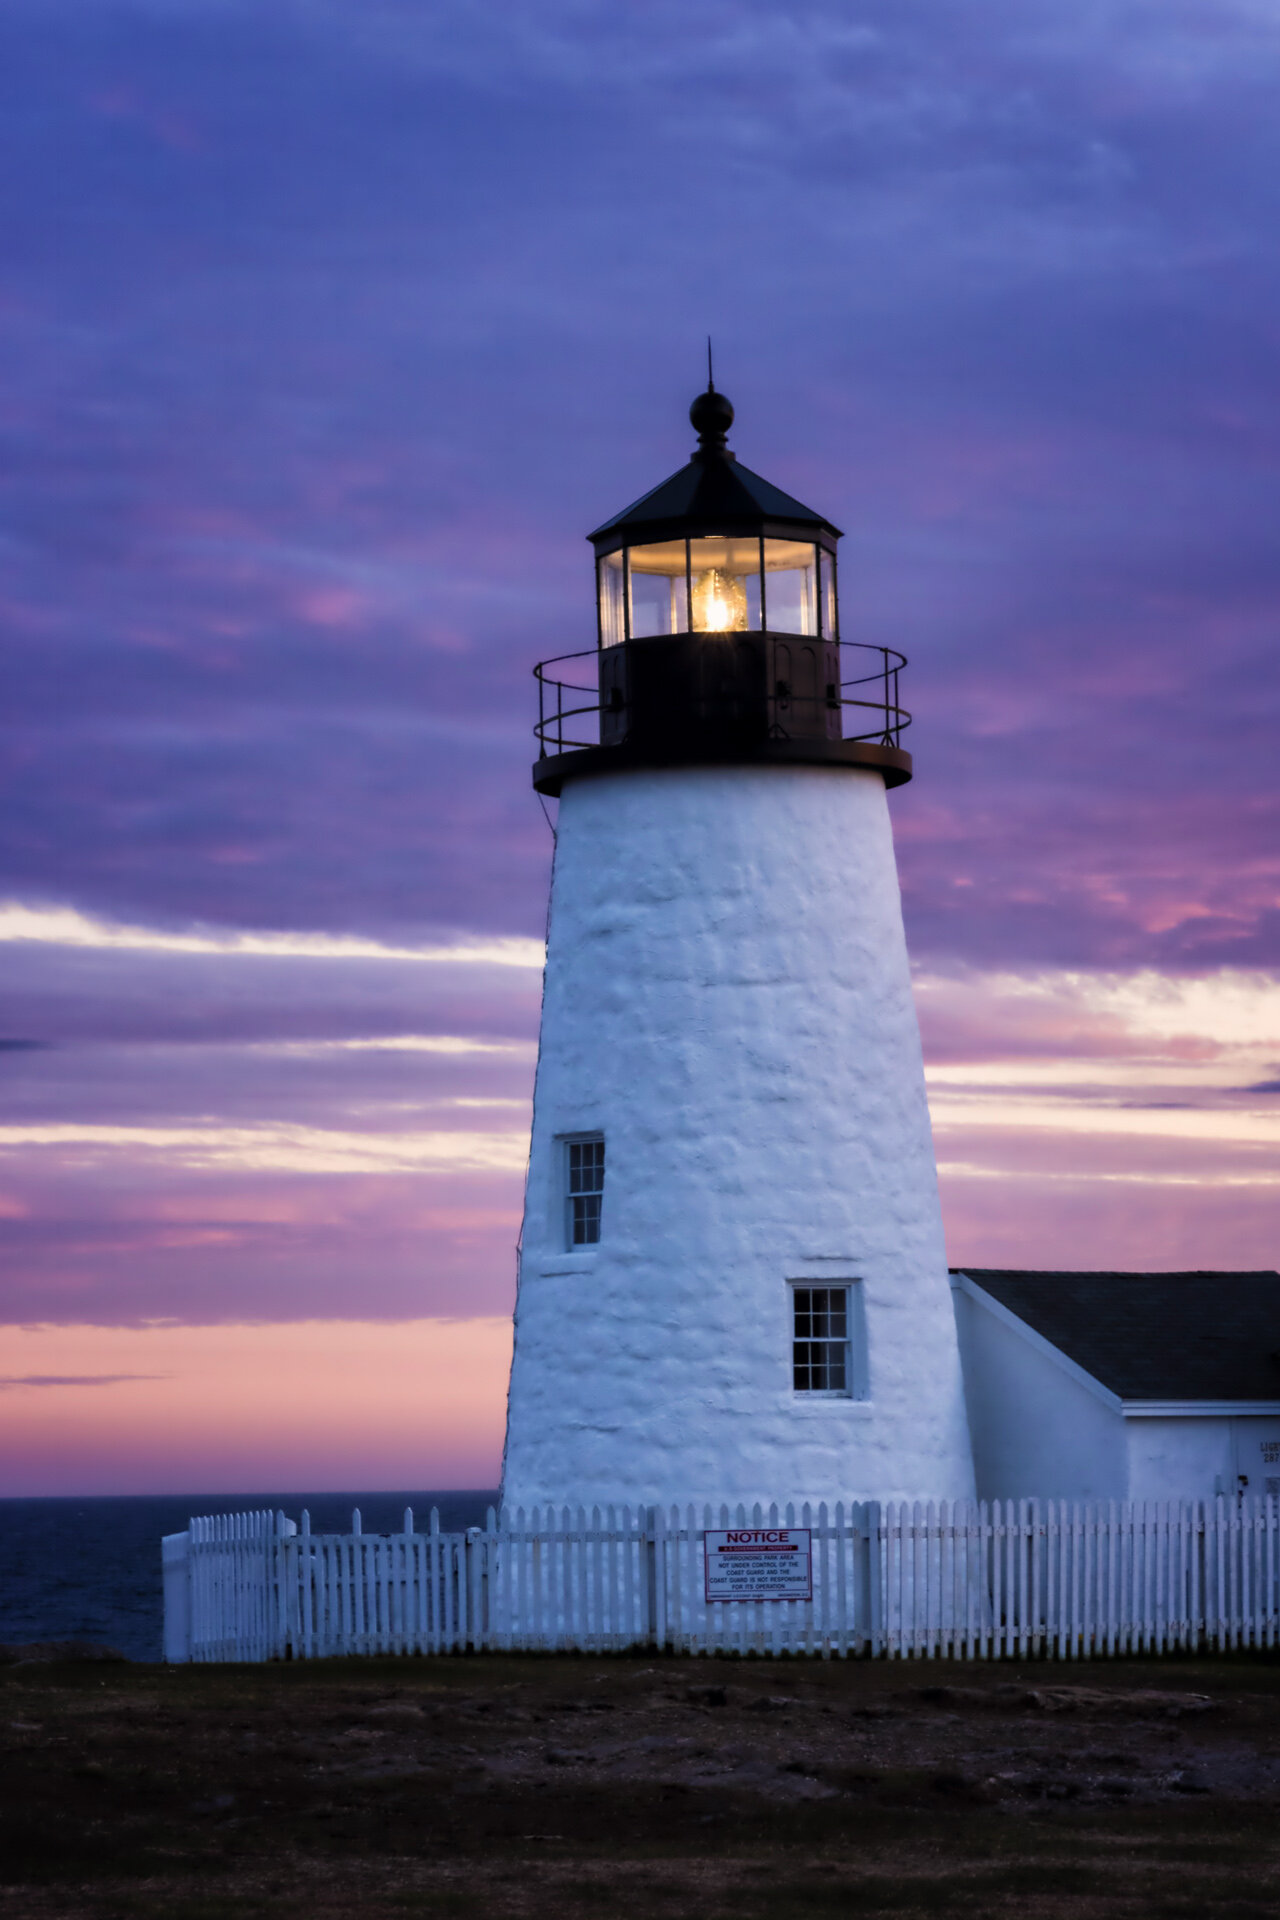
pixel 733 1285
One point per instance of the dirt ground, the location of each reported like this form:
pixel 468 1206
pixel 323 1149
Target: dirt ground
pixel 761 1790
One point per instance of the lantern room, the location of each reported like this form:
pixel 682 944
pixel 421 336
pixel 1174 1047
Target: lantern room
pixel 720 583
pixel 718 635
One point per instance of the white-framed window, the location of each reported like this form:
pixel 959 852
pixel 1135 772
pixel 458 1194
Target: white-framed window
pixel 827 1345
pixel 583 1189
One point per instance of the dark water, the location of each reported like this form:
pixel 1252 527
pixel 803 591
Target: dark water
pixel 90 1569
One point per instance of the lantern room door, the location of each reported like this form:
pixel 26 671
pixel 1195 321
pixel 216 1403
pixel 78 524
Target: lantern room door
pixel 804 690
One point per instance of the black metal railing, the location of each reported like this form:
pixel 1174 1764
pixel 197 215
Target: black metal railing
pixel 562 727
pixel 892 718
pixel 570 704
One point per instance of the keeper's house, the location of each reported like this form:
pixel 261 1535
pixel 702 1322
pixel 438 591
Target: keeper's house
pixel 1124 1386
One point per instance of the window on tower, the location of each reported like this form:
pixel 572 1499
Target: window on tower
pixel 821 1357
pixel 584 1198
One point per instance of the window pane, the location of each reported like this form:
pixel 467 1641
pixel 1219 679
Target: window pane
pixel 832 1313
pixel 585 1219
pixel 657 605
pixel 790 586
pixel 586 1166
pixel 610 572
pixel 827 593
pixel 659 589
pixel 820 1366
pixel 726 585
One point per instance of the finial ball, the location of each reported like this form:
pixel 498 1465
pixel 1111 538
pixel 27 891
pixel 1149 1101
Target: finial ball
pixel 712 415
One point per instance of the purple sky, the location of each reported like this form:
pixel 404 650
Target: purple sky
pixel 329 329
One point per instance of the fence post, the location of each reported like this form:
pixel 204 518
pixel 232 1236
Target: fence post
pixel 870 1570
pixel 651 1576
pixel 473 1630
pixel 175 1560
pixel 286 1575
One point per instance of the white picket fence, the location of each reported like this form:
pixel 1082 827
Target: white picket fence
pixel 985 1581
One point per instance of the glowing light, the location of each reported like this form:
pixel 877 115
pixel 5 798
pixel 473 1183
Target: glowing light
pixel 719 603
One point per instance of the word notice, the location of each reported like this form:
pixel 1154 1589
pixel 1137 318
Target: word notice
pixel 759 1563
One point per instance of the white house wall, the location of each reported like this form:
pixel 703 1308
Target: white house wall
pixel 1180 1458
pixel 1035 1429
pixel 728 1001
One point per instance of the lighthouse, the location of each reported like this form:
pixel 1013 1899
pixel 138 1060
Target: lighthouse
pixel 733 1283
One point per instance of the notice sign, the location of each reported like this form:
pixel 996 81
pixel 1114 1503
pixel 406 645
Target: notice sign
pixel 759 1563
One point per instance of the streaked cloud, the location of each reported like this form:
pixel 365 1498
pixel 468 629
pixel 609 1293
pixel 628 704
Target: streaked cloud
pixel 1119 1023
pixel 66 927
pixel 398 1043
pixel 1149 1119
pixel 73 1379
pixel 1082 1178
pixel 286 1149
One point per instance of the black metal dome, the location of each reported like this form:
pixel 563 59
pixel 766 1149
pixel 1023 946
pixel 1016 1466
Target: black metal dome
pixel 714 493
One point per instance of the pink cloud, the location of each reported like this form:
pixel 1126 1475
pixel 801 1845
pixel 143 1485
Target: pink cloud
pixel 172 127
pixel 333 606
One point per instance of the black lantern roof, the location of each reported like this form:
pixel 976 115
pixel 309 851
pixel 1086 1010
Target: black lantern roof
pixel 713 493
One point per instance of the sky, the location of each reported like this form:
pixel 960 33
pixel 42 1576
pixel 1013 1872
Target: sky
pixel 327 330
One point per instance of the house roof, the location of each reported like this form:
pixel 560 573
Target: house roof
pixel 1154 1336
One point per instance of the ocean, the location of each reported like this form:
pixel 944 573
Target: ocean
pixel 90 1569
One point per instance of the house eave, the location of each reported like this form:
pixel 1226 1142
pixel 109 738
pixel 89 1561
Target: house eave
pixel 1036 1341
pixel 1198 1409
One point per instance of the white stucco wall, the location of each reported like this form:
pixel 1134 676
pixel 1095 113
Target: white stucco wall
pixel 1036 1430
pixel 1176 1458
pixel 727 999
pixel 1192 1457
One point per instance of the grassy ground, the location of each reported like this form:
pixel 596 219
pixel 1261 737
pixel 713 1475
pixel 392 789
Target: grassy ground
pixel 641 1787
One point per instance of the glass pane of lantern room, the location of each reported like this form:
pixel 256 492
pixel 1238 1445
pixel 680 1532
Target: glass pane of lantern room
pixel 611 575
pixel 790 586
pixel 726 585
pixel 659 590
pixel 827 594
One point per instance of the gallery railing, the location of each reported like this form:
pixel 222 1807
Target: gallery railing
pixel 577 691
